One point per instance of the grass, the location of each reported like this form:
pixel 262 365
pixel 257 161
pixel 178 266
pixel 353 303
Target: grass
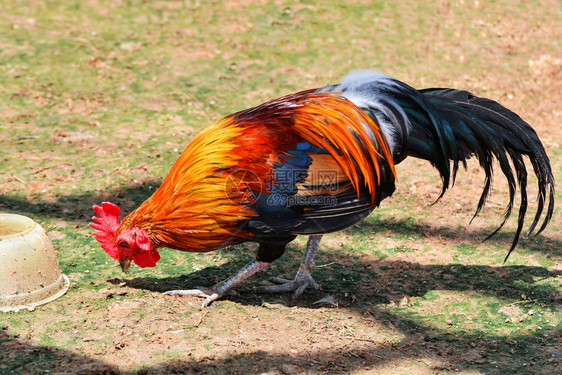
pixel 99 98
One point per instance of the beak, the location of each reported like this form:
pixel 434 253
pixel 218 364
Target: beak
pixel 125 263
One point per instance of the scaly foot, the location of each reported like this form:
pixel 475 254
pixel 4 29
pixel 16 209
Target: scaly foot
pixel 297 286
pixel 303 279
pixel 224 287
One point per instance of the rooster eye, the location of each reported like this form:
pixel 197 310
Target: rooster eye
pixel 124 244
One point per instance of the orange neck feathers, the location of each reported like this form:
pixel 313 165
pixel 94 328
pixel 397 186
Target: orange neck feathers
pixel 192 209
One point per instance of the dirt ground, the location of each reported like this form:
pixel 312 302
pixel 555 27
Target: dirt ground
pixel 246 335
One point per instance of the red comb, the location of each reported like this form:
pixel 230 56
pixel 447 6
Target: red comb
pixel 106 223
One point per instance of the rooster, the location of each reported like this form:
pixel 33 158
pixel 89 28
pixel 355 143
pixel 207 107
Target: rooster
pixel 315 162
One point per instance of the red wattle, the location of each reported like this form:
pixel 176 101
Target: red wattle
pixel 147 259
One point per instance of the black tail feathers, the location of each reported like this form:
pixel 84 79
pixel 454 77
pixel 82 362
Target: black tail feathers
pixel 455 125
pixel 446 127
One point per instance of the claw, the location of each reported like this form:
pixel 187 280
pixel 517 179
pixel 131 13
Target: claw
pixel 280 280
pixel 210 294
pixel 297 282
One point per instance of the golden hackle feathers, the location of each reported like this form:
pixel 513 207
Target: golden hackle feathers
pixel 191 209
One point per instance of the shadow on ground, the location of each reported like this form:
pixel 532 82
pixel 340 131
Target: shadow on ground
pixel 446 352
pixel 377 281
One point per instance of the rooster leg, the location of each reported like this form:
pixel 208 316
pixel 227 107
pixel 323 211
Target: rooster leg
pixel 222 288
pixel 303 279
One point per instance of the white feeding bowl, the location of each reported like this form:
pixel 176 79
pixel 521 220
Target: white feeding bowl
pixel 30 274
